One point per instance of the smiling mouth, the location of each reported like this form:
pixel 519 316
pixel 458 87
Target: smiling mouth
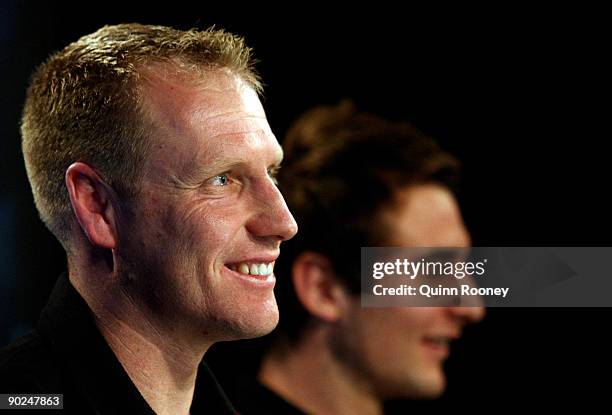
pixel 254 269
pixel 438 341
pixel 440 345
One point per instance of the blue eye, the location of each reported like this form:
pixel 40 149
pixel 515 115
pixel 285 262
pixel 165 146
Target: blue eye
pixel 220 180
pixel 273 173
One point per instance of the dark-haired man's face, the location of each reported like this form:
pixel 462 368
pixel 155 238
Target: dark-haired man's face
pixel 209 218
pixel 401 351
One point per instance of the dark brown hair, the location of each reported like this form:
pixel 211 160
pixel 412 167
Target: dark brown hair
pixel 341 168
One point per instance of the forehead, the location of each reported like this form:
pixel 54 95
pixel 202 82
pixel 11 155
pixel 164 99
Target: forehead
pixel 206 117
pixel 425 215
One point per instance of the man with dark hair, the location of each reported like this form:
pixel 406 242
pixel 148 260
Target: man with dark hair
pixel 151 160
pixel 353 179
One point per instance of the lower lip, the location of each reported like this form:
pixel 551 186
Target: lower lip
pixel 436 350
pixel 261 281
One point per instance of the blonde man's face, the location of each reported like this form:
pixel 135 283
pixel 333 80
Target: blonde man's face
pixel 209 216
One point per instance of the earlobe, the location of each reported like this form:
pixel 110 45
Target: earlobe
pixel 317 287
pixel 91 201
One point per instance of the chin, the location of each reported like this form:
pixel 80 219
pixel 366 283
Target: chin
pixel 262 327
pixel 431 385
pixel 256 323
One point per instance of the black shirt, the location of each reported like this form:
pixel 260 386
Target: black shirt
pixel 253 398
pixel 67 354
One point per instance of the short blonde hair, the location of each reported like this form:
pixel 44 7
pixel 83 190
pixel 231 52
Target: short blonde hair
pixel 85 103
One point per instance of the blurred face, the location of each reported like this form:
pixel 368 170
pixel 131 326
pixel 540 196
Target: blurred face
pixel 401 351
pixel 204 232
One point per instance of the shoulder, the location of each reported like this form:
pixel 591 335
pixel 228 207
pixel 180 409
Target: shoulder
pixel 28 365
pixel 252 397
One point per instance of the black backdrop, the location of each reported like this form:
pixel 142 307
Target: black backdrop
pixel 517 95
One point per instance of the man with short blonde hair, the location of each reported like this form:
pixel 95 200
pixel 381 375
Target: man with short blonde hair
pixel 151 160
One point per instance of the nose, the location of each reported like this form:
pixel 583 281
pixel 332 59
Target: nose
pixel 272 217
pixel 468 315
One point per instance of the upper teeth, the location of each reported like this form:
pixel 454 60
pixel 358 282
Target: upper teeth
pixel 254 269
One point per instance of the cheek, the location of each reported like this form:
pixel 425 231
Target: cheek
pixel 407 320
pixel 187 231
pixel 418 318
pixel 207 228
pixel 396 330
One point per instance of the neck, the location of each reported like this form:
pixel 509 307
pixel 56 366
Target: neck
pixel 309 376
pixel 161 364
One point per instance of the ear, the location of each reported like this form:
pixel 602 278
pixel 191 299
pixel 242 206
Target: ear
pixel 317 287
pixel 91 200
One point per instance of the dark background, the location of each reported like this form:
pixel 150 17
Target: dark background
pixel 519 95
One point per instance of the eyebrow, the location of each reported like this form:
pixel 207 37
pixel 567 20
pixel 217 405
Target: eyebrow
pixel 200 172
